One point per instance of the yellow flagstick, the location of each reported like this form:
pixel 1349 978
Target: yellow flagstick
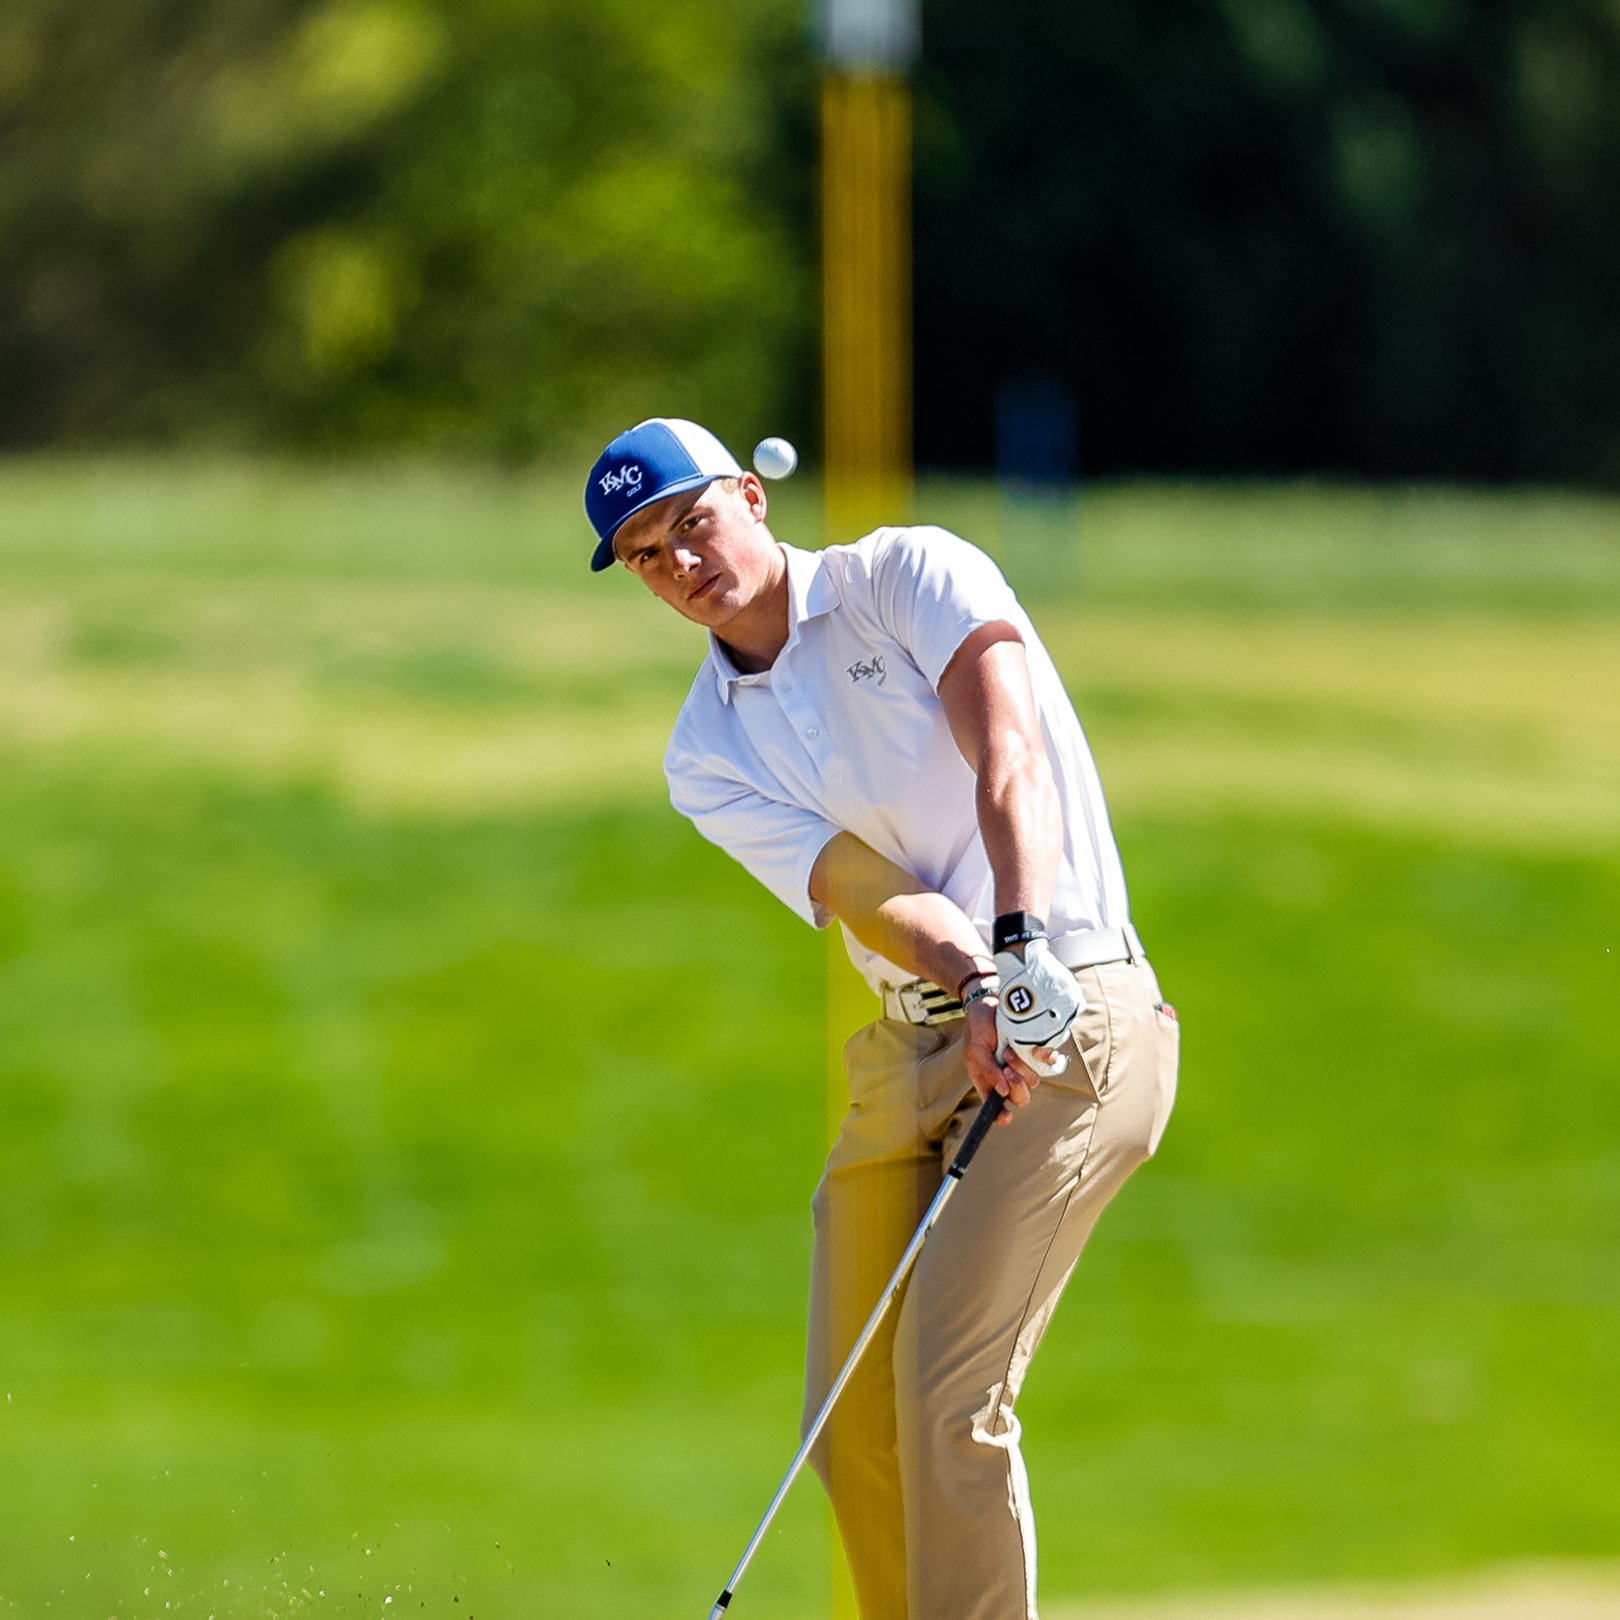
pixel 866 300
pixel 866 336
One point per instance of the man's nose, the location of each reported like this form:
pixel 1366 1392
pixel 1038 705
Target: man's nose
pixel 684 560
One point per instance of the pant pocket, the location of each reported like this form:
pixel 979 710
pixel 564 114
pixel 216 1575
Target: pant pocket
pixel 1167 1031
pixel 1089 1044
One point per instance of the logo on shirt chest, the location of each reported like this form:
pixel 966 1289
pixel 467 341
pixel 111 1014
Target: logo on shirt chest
pixel 868 669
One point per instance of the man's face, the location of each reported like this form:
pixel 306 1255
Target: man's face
pixel 706 552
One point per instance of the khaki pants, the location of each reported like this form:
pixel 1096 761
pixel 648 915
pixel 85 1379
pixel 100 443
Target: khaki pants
pixel 921 1455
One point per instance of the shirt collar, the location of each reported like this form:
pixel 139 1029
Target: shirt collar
pixel 811 593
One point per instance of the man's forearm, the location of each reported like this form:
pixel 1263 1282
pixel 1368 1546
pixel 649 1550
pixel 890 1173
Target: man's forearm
pixel 925 934
pixel 928 935
pixel 890 912
pixel 1021 823
pixel 990 706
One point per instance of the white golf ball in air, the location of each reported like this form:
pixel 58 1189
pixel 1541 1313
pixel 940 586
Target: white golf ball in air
pixel 774 458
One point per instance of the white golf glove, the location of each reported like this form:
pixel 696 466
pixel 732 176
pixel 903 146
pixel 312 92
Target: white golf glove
pixel 1038 1004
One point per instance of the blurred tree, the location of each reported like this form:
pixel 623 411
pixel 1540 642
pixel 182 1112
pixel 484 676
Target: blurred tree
pixel 486 224
pixel 1372 236
pixel 1367 236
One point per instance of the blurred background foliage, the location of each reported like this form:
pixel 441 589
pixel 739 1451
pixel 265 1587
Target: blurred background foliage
pixel 1362 236
pixel 475 226
pixel 1371 236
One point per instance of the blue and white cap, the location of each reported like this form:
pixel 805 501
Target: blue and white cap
pixel 662 456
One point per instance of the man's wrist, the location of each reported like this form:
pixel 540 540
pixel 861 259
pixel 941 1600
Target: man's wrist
pixel 985 989
pixel 1016 928
pixel 982 967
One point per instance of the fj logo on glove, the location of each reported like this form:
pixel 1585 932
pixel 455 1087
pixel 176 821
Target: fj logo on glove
pixel 1019 1000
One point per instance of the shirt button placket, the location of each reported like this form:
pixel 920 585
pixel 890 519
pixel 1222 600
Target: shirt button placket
pixel 815 740
pixel 801 715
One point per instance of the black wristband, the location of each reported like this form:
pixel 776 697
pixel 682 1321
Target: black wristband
pixel 1017 928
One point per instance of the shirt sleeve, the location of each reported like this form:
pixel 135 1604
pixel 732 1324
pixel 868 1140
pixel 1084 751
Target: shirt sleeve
pixel 775 841
pixel 932 590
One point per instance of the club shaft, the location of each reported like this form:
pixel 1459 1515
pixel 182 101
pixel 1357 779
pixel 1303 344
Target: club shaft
pixel 986 1117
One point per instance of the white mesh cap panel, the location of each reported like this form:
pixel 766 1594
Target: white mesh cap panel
pixel 710 455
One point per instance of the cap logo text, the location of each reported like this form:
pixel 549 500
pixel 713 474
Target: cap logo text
pixel 628 477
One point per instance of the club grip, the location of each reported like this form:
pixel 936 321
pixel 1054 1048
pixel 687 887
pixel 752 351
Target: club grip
pixel 989 1112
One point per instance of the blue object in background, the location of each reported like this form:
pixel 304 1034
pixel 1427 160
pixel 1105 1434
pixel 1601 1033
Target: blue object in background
pixel 1038 468
pixel 1037 434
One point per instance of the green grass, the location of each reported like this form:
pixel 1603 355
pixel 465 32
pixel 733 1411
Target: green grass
pixel 407 1124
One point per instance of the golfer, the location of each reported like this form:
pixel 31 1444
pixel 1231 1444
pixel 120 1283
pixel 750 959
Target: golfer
pixel 878 735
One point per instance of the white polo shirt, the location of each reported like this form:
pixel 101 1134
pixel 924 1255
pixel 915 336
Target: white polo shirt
pixel 845 732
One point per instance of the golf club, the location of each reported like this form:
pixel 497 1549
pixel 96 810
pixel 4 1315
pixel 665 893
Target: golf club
pixel 989 1111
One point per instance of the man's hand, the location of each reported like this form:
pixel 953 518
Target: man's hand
pixel 987 1067
pixel 890 912
pixel 1038 1004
